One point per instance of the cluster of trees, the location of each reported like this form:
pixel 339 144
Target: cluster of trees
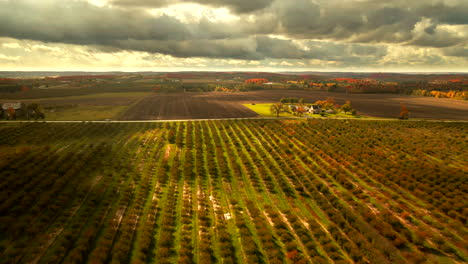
pixel 25 111
pixel 34 111
pixel 257 81
pixel 237 88
pixel 330 104
pixel 350 85
pixel 462 95
pixel 457 88
pixel 298 107
pixel 201 87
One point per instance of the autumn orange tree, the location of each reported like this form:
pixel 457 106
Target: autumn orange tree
pixel 328 103
pixel 347 107
pixel 300 110
pixel 404 113
pixel 11 113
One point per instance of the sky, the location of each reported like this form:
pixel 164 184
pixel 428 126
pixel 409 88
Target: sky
pixel 240 35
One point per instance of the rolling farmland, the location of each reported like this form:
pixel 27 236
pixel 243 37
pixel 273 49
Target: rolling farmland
pixel 173 106
pixel 245 191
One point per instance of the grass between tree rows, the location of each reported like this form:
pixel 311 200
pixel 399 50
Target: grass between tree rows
pixel 250 191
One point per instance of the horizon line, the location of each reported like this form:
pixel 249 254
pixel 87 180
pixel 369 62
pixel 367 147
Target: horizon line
pixel 240 71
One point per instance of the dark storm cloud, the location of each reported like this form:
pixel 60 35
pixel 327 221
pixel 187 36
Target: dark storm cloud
pixel 342 25
pixel 437 39
pixel 345 52
pixel 238 6
pixel 83 23
pixel 455 15
pixel 366 21
pixel 252 48
pixel 255 48
pixel 298 17
pixel 279 48
pixel 232 48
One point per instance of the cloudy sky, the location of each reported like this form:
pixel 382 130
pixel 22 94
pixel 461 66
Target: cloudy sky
pixel 267 35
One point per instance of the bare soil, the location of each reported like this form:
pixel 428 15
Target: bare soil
pixel 229 105
pixel 175 106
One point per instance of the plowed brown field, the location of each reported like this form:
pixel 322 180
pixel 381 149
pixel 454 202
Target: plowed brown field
pixel 175 106
pixel 229 105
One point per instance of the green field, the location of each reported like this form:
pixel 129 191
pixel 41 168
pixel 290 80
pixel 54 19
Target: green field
pixel 245 191
pixel 264 110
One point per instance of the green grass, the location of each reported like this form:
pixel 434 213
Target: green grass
pixel 264 110
pixel 88 113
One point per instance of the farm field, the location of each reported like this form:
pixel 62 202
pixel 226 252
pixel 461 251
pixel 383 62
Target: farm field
pixel 88 112
pixel 226 105
pixel 244 191
pixel 207 105
pixel 172 106
pixel 98 106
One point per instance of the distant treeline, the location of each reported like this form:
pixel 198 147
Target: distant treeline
pixel 461 95
pixel 202 87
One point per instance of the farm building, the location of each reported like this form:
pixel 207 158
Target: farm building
pixel 13 110
pixel 15 106
pixel 315 109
